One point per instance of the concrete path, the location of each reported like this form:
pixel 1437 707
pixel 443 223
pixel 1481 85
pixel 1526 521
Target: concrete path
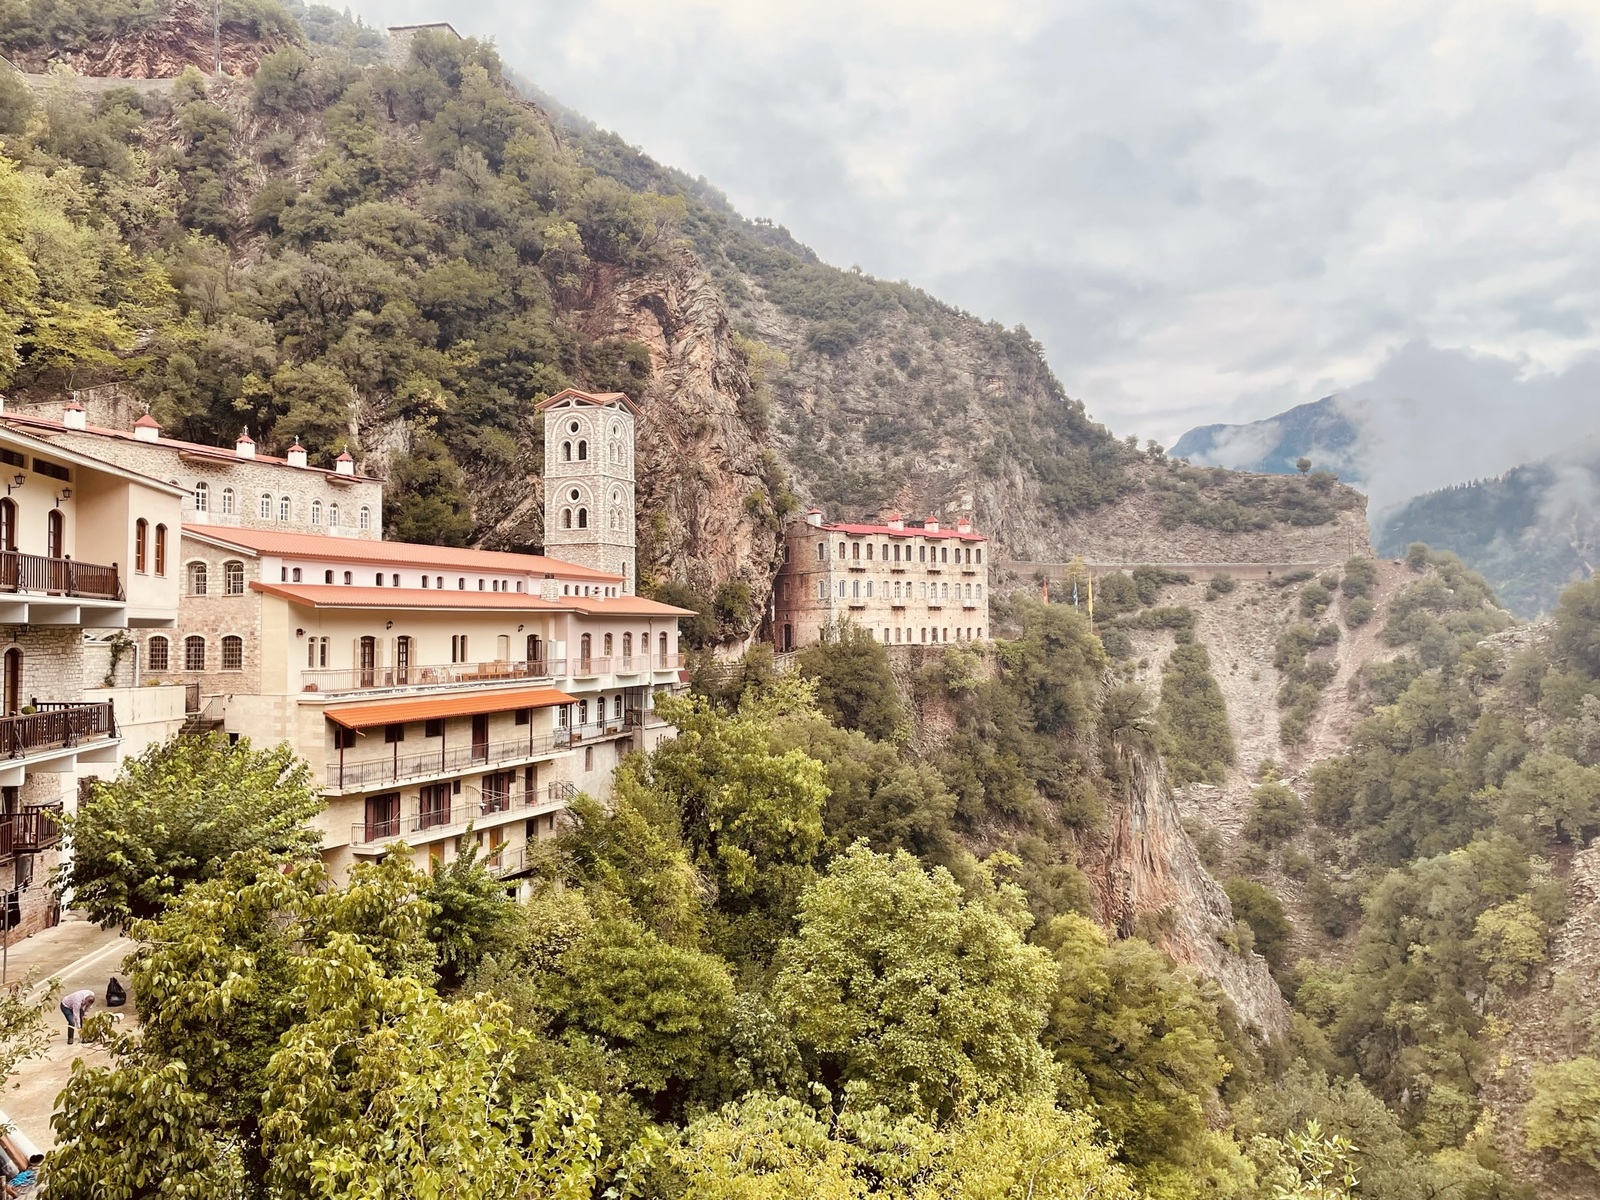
pixel 77 954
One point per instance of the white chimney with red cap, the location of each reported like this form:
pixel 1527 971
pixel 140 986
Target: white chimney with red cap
pixel 245 447
pixel 344 464
pixel 963 525
pixel 297 455
pixel 147 429
pixel 814 517
pixel 931 524
pixel 73 416
pixel 894 520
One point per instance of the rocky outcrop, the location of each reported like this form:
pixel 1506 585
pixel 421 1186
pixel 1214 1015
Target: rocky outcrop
pixel 183 36
pixel 1148 878
pixel 706 505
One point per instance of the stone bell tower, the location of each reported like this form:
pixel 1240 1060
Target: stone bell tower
pixel 588 481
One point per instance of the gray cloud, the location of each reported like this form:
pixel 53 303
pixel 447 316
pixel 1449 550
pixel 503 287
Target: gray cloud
pixel 1205 209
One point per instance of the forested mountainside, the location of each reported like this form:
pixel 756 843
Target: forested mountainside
pixel 400 258
pixel 1531 531
pixel 729 994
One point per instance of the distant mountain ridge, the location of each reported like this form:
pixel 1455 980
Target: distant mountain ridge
pixel 1529 532
pixel 1322 431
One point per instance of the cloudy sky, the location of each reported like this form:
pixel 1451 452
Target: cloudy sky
pixel 1205 209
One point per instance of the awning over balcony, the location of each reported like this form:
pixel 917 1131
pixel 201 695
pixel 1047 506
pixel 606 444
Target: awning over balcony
pixel 426 708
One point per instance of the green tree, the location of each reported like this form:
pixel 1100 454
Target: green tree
pixel 1275 815
pixel 1302 465
pixel 1563 1114
pixel 1258 907
pixel 472 915
pixel 855 687
pixel 1577 634
pixel 908 996
pixel 1142 1044
pixel 1193 717
pixel 175 815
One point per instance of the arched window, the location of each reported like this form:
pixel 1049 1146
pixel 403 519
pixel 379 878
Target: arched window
pixel 566 518
pixel 233 653
pixel 663 649
pixel 141 545
pixel 13 680
pixel 294 576
pixel 194 653
pixel 233 577
pixel 822 551
pixel 348 578
pixel 285 508
pixel 627 645
pixel 583 451
pixel 566 451
pixel 161 549
pixel 159 650
pixel 316 512
pixel 8 523
pixel 55 534
pixel 586 650
pixel 228 505
pixel 583 518
pixel 202 497
pixel 608 644
pixel 327 577
pixel 333 516
pixel 364 518
pixel 197 579
pixel 264 509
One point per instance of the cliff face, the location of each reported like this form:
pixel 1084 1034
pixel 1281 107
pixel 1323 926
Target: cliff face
pixel 1148 877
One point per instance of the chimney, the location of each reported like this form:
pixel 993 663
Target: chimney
pixel 147 429
pixel 894 520
pixel 73 415
pixel 344 464
pixel 297 455
pixel 245 447
pixel 931 524
pixel 549 588
pixel 963 525
pixel 814 517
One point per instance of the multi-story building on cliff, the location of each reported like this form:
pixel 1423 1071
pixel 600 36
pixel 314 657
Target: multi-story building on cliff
pixel 85 544
pixel 907 583
pixel 236 488
pixel 430 688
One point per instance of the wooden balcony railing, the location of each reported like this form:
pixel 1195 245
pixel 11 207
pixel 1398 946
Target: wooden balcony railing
pixel 35 828
pixel 55 726
pixel 38 574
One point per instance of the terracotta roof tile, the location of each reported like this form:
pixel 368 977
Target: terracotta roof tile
pixel 413 554
pixel 909 531
pixel 332 595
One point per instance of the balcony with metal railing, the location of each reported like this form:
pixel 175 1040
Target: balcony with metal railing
pixel 427 824
pixel 425 678
pixel 346 775
pixel 666 662
pixel 591 667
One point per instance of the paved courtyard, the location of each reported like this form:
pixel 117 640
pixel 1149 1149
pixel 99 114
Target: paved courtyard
pixel 78 955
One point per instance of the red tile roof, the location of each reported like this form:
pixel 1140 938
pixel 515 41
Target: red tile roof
pixel 596 398
pixel 908 531
pixel 221 453
pixel 368 713
pixel 410 554
pixel 332 595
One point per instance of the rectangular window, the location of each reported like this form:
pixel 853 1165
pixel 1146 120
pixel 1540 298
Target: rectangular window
pixel 869 589
pixel 841 589
pixel 524 716
pixel 383 816
pixel 869 551
pixel 433 727
pixel 343 739
pixel 922 554
pixel 822 589
pixel 855 551
pixel 394 733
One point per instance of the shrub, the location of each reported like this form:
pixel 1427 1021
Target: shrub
pixel 1221 585
pixel 1357 612
pixel 1275 815
pixel 1314 600
pixel 1564 1113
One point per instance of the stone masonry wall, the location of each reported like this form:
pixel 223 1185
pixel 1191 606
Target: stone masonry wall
pixel 212 616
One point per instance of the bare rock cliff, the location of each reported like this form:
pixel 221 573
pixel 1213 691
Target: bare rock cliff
pixel 1148 878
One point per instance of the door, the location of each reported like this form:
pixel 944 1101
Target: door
pixel 788 638
pixel 402 660
pixel 8 543
pixel 535 655
pixel 56 534
pixel 585 651
pixel 368 654
pixel 480 737
pixel 383 816
pixel 13 681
